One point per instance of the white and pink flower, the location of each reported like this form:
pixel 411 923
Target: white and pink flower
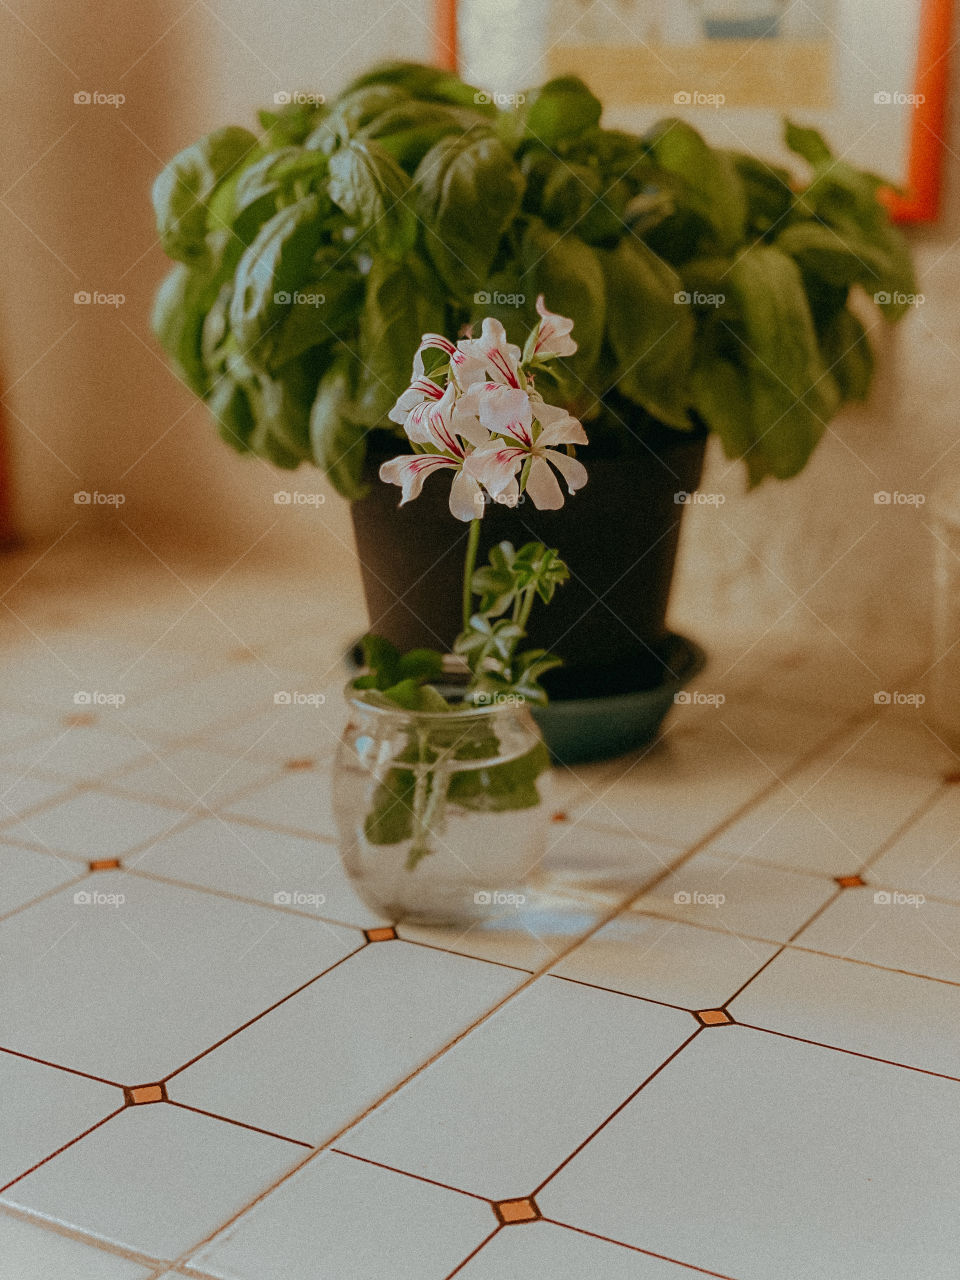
pixel 450 442
pixel 529 428
pixel 552 334
pixel 490 357
pixel 487 426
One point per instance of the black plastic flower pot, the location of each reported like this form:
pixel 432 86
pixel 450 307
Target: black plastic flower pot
pixel 618 534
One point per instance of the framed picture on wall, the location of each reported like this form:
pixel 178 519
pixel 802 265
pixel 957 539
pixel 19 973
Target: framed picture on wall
pixel 870 74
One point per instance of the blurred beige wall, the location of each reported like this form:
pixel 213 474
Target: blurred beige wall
pixel 90 404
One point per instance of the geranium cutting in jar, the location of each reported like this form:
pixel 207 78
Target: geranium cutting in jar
pixel 465 742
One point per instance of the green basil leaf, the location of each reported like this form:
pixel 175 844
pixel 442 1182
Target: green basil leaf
pixel 358 107
pixel 649 331
pixel 231 410
pixel 845 199
pixel 274 265
pixel 791 396
pixel 768 192
pixel 468 191
pixel 324 308
pixel 806 142
pixel 720 393
pixel 182 191
pixel 337 441
pixel 390 820
pixel 291 124
pixel 371 188
pixel 562 109
pixel 281 407
pixel 711 187
pixel 179 309
pixel 839 259
pixel 503 787
pixel 408 131
pixel 401 304
pixel 847 352
pixel 421 81
pixel 570 276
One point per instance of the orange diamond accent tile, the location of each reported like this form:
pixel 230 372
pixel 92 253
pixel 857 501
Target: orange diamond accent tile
pixel 295 765
pixel 80 720
pixel 952 777
pixel 385 934
pixel 244 655
pixel 104 864
pixel 559 816
pixel 140 1094
pixel 849 882
pixel 713 1017
pixel 522 1210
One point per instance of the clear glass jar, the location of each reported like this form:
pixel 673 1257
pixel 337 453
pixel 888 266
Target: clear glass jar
pixel 442 816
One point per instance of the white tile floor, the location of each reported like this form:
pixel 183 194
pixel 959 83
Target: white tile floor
pixel 724 1042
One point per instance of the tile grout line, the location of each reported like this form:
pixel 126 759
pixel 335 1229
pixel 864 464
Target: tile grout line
pixel 690 1266
pixel 79 1236
pixel 66 1146
pixel 802 761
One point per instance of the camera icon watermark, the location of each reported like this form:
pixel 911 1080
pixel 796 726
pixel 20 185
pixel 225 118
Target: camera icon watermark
pixel 683 498
pixel 293 698
pixel 894 898
pixel 97 298
pixel 888 97
pixel 86 498
pixel 484 99
pixel 298 498
pixel 484 298
pixel 86 698
pixel 299 97
pixel 898 298
pixel 86 98
pixel 498 898
pixel 894 498
pixel 694 898
pixel 883 698
pixel 694 698
pixel 299 298
pixel 698 298
pixel 94 898
pixel 296 898
pixel 697 98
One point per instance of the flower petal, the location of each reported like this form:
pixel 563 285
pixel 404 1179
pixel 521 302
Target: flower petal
pixel 563 430
pixel 432 423
pixel 495 466
pixel 507 412
pixel 542 486
pixel 553 333
pixel 572 470
pixel 411 469
pixel 466 497
pixel 421 390
pixel 493 352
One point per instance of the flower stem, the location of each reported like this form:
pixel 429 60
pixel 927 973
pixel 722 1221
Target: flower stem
pixel 524 614
pixel 473 541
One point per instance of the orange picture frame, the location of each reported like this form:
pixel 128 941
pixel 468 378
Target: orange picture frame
pixel 920 201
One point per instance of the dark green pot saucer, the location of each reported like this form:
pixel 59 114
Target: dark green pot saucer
pixel 579 730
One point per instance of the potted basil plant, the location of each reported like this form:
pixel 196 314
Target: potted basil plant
pixel 712 293
pixel 439 780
